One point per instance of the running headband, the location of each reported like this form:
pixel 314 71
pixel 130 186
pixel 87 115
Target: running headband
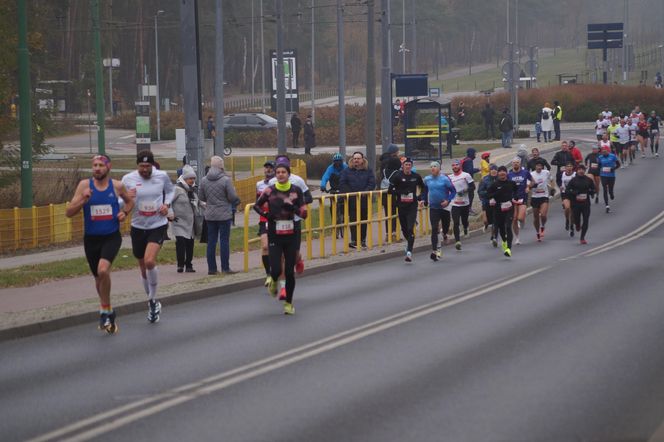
pixel 103 158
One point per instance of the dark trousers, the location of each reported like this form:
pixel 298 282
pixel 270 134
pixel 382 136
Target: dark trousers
pixel 296 138
pixel 503 224
pixel 184 251
pixel 438 216
pixel 489 126
pixel 490 212
pixel 286 246
pixel 393 221
pixel 407 218
pixel 556 129
pixel 579 212
pixel 352 217
pixel 607 187
pixel 218 231
pixel 460 213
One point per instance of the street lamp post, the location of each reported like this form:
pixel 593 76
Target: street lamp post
pixel 156 53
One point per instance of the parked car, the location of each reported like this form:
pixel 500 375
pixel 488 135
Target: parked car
pixel 250 121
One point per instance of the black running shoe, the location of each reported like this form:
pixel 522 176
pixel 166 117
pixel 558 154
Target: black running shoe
pixel 154 310
pixel 107 323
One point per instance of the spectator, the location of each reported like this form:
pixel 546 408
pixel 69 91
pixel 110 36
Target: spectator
pixel 522 153
pixel 185 213
pixel 211 130
pixel 178 172
pixel 296 127
pixel 506 127
pixel 538 126
pixel 557 118
pixel 333 173
pixel 488 116
pixel 461 113
pixel 468 167
pixel 547 121
pixel 389 165
pixel 484 164
pixel 217 191
pixel 357 178
pixel 309 135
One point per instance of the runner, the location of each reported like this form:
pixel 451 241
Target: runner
pixel 522 178
pixel 654 123
pixel 463 184
pixel 539 200
pixel 592 163
pixel 488 204
pixel 605 143
pixel 581 189
pixel 608 163
pixel 576 153
pixel 623 133
pixel 98 197
pixel 284 201
pixel 612 130
pixel 503 191
pixel 536 158
pixel 268 171
pixel 642 134
pixel 632 144
pixel 438 193
pixel 600 128
pixel 567 204
pixel 405 183
pixel 560 159
pixel 484 164
pixel 153 192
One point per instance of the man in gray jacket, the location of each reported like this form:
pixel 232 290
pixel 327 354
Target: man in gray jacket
pixel 218 192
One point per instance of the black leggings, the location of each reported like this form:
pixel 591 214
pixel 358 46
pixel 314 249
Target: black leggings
pixel 579 211
pixel 490 216
pixel 654 142
pixel 184 251
pixel 437 216
pixel 460 212
pixel 607 185
pixel 407 218
pixel 286 246
pixel 503 224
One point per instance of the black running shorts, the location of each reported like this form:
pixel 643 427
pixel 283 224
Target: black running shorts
pixel 140 239
pixel 537 202
pixel 98 247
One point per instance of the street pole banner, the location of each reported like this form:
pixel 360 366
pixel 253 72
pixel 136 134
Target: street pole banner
pixel 290 80
pixel 142 125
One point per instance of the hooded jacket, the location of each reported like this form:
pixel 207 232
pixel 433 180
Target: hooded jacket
pixel 389 164
pixel 357 179
pixel 218 192
pixel 467 163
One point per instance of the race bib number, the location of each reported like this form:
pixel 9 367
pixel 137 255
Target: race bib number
pixel 582 197
pixel 506 206
pixel 407 198
pixel 147 208
pixel 593 165
pixel 492 202
pixel 101 212
pixel 284 227
pixel 606 169
pixel 519 201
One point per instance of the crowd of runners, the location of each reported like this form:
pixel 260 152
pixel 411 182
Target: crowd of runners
pixel 282 199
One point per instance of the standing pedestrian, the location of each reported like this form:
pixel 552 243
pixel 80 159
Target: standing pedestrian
pixel 153 193
pixel 389 165
pixel 546 122
pixel 218 192
pixel 98 197
pixel 506 127
pixel 357 178
pixel 557 118
pixel 309 135
pixel 211 129
pixel 488 116
pixel 186 212
pixel 296 127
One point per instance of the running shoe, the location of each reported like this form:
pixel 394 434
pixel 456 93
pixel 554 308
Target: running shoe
pixel 107 323
pixel 154 310
pixel 571 233
pixel 433 257
pixel 539 238
pixel 583 242
pixel 608 209
pixel 643 155
pixel 657 154
pixel 289 309
pixel 578 227
pixel 282 294
pixel 457 245
pixel 494 242
pixel 517 241
pixel 272 288
pixel 268 280
pixel 439 253
pixel 364 245
pixel 352 245
pixel 299 267
pixel 180 269
pixel 566 224
pixel 506 251
pixel 409 257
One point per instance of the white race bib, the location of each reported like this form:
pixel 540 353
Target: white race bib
pixel 506 206
pixel 407 198
pixel 492 202
pixel 593 165
pixel 147 208
pixel 606 169
pixel 101 212
pixel 284 227
pixel 582 197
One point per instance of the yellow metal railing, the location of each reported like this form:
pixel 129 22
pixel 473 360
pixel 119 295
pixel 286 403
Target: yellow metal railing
pixel 42 226
pixel 317 225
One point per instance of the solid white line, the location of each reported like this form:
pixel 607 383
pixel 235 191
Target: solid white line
pixel 127 137
pixel 634 237
pixel 185 393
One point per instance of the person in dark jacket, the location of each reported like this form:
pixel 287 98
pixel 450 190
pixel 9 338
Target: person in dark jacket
pixel 535 159
pixel 503 192
pixel 560 160
pixel 389 165
pixel 296 127
pixel 506 127
pixel 357 178
pixel 581 189
pixel 468 167
pixel 488 206
pixel 309 135
pixel 488 116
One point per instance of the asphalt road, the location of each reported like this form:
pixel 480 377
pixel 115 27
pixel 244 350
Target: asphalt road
pixel 560 342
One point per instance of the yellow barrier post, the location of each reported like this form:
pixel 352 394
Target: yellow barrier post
pixel 346 227
pixel 233 167
pixel 247 208
pixel 370 221
pixel 389 219
pixel 380 218
pixel 321 226
pixel 307 223
pixel 358 219
pixel 334 203
pixel 17 228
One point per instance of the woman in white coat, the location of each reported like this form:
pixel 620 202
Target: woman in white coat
pixel 547 122
pixel 185 206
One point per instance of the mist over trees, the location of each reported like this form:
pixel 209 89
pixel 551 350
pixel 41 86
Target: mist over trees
pixel 448 33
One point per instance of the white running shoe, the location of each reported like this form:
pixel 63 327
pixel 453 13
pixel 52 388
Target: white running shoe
pixel 517 241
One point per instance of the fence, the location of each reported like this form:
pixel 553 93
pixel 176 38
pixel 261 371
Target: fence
pixel 29 228
pixel 330 231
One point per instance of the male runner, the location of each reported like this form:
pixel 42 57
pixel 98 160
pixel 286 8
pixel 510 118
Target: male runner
pixel 463 184
pixel 581 189
pixel 654 123
pixel 503 192
pixel 438 193
pixel 153 192
pixel 405 183
pixel 522 178
pixel 98 197
pixel 608 163
pixel 539 200
pixel 268 171
pixel 565 178
pixel 592 164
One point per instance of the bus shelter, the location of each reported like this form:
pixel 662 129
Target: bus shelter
pixel 427 129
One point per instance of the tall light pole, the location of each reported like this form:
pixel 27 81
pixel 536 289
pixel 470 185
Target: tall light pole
pixel 24 112
pixel 625 53
pixel 341 78
pixel 281 86
pixel 156 71
pixel 313 65
pixel 99 78
pixel 403 37
pixel 385 81
pixel 219 80
pixel 252 53
pixel 371 88
pixel 262 61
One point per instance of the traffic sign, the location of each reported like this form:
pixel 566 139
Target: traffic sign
pixel 612 44
pixel 605 35
pixel 605 27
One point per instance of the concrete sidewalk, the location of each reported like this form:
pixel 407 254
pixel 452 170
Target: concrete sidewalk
pixel 57 300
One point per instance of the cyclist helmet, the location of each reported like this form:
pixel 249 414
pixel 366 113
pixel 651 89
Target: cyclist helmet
pixel 337 157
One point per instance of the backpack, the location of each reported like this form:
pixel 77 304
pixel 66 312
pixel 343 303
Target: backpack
pixel 545 115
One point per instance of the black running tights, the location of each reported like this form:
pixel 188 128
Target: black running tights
pixel 581 211
pixel 607 185
pixel 286 246
pixel 503 225
pixel 436 216
pixel 460 212
pixel 407 218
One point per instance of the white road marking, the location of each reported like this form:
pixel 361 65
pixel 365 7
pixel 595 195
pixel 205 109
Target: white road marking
pixel 100 423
